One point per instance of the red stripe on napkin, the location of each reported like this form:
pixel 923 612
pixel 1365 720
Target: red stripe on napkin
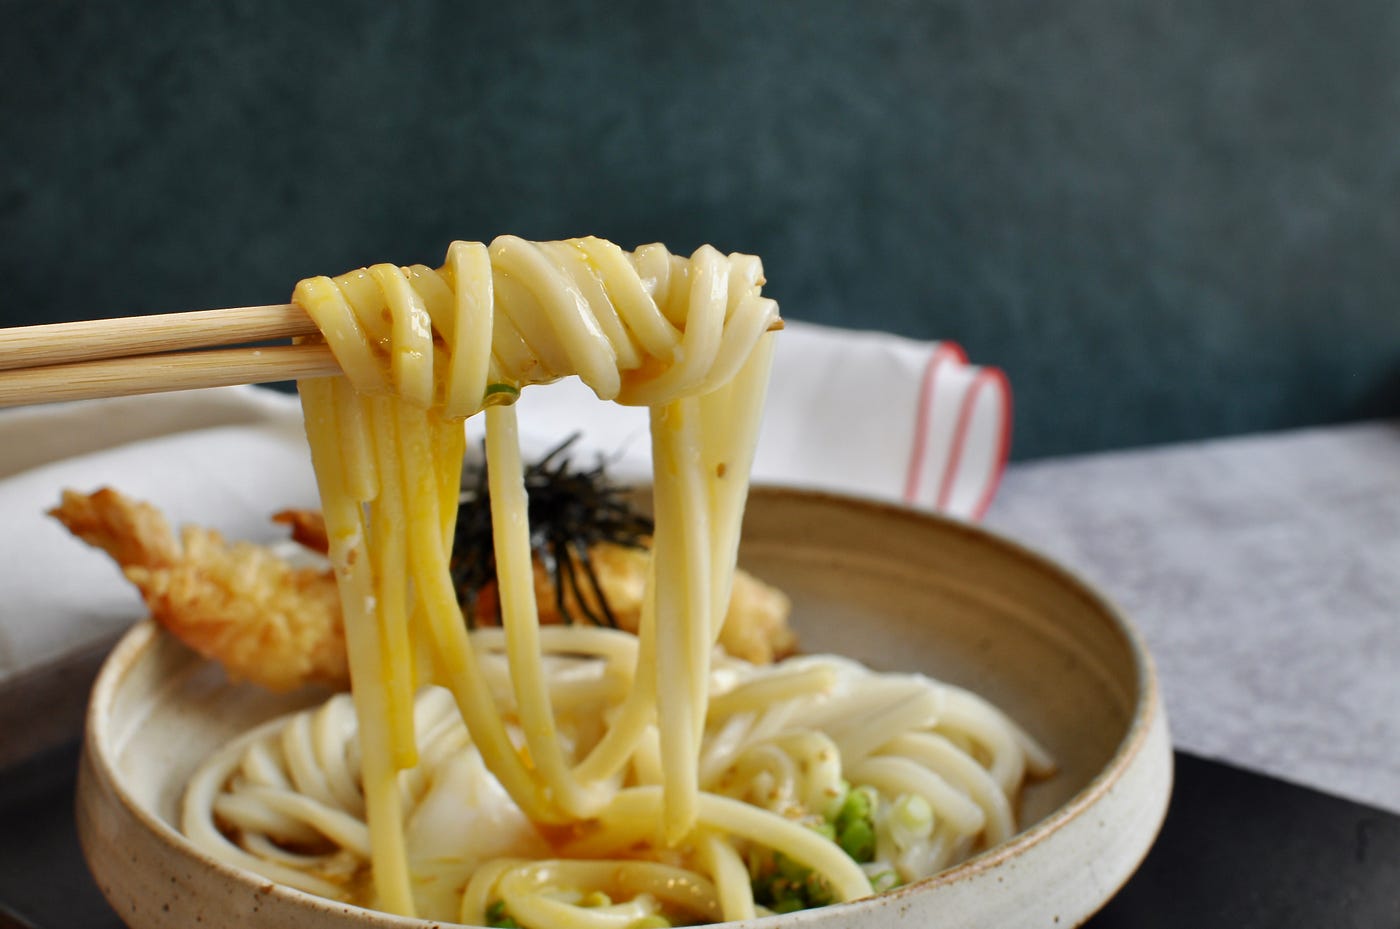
pixel 943 352
pixel 984 377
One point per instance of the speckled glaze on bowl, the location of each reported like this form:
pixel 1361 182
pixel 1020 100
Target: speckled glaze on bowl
pixel 896 589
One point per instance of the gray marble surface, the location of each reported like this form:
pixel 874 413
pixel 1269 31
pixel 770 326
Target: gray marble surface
pixel 1264 572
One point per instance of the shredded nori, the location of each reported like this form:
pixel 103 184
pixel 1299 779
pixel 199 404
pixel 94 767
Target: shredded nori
pixel 570 510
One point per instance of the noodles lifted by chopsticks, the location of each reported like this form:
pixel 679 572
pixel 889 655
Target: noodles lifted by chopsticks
pixel 612 772
pixel 423 348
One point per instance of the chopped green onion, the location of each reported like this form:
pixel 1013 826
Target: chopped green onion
pixel 883 880
pixel 499 394
pixel 496 917
pixel 858 841
pixel 910 819
pixel 834 805
pixel 855 823
pixel 784 885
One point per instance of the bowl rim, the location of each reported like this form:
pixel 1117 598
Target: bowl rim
pixel 1146 707
pixel 1147 701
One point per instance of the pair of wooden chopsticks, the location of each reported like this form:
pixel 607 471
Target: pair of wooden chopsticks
pixel 153 354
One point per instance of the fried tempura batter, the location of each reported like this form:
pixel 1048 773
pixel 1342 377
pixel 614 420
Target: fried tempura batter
pixel 279 626
pixel 755 627
pixel 240 605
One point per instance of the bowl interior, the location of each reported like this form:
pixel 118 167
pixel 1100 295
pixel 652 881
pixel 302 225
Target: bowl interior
pixel 901 591
pixel 897 590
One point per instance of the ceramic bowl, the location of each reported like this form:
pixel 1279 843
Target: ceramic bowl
pixel 896 589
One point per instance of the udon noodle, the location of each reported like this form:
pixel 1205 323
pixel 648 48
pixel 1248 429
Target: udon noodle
pixel 578 776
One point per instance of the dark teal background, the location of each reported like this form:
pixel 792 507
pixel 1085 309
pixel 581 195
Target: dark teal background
pixel 1163 219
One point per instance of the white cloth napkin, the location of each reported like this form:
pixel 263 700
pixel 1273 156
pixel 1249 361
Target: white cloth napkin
pixel 862 413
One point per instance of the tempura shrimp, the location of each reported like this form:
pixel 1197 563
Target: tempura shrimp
pixel 279 625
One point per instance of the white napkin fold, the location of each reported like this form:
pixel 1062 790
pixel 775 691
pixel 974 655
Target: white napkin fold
pixel 862 413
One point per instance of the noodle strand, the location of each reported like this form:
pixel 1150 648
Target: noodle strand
pixel 462 761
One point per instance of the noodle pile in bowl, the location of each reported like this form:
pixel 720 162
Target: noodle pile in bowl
pixel 579 776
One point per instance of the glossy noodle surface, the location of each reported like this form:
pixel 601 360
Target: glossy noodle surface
pixel 573 776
